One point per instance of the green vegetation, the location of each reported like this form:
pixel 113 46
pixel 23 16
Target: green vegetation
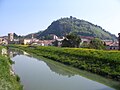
pixel 8 81
pixel 96 44
pixel 71 40
pixel 104 63
pixel 64 26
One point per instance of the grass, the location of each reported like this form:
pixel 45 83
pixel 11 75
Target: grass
pixel 8 81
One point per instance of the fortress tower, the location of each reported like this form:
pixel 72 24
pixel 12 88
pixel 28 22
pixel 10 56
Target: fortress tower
pixel 10 36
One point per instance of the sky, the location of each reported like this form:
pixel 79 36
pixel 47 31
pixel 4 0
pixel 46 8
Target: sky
pixel 28 16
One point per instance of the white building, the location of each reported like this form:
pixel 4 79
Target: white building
pixel 25 41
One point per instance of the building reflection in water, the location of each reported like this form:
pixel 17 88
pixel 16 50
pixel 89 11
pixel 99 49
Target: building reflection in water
pixel 4 51
pixel 14 52
pixel 54 66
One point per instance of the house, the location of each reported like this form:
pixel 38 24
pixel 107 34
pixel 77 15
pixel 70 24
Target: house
pixel 3 41
pixel 57 42
pixel 53 37
pixel 13 39
pixel 112 45
pixel 25 41
pixel 45 42
pixel 86 39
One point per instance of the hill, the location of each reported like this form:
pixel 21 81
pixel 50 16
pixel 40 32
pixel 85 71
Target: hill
pixel 36 35
pixel 65 26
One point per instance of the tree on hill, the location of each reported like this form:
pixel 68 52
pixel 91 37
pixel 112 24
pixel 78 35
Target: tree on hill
pixel 71 40
pixel 96 44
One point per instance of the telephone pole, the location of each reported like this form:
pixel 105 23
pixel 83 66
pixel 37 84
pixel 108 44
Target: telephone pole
pixel 119 41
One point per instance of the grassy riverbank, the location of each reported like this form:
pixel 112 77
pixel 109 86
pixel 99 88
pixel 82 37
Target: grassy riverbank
pixel 104 63
pixel 8 81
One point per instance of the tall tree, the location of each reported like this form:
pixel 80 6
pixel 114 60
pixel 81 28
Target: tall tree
pixel 71 40
pixel 96 44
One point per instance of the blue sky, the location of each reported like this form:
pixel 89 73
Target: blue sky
pixel 28 16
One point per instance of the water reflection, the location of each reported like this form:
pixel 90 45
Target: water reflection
pixel 4 51
pixel 14 52
pixel 66 71
pixel 59 69
pixel 55 67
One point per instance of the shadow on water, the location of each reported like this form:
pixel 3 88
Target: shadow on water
pixel 68 71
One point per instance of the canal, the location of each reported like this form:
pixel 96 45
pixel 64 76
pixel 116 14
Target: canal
pixel 43 74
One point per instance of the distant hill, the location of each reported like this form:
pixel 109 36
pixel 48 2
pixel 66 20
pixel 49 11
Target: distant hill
pixel 65 26
pixel 36 35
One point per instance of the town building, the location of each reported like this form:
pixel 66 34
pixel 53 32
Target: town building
pixel 46 42
pixel 3 41
pixel 10 37
pixel 112 46
pixel 25 41
pixel 86 39
pixel 53 37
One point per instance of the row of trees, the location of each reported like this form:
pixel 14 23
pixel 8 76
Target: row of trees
pixel 72 40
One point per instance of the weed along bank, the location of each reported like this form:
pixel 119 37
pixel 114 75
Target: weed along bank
pixel 8 79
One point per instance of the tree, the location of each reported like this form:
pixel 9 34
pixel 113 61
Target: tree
pixel 71 40
pixel 96 44
pixel 66 43
pixel 55 43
